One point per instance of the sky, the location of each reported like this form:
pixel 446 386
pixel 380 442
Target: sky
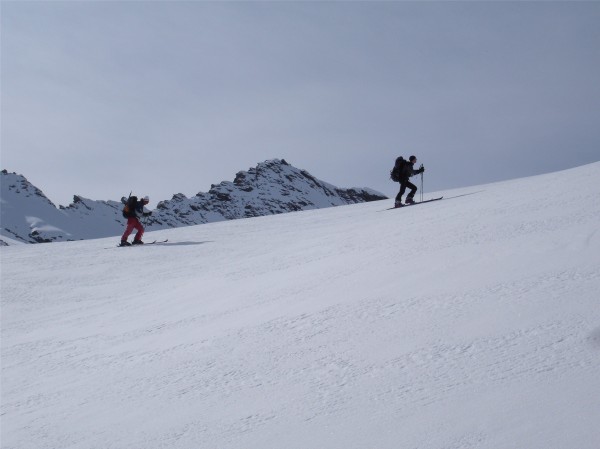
pixel 100 99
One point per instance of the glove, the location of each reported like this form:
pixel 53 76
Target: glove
pixel 422 169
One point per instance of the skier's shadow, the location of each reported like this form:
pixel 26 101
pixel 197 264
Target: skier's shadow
pixel 464 194
pixel 183 243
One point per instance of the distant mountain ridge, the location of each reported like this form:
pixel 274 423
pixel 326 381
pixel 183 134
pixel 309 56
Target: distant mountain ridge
pixel 272 187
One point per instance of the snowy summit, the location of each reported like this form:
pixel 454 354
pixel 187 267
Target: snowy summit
pixel 472 322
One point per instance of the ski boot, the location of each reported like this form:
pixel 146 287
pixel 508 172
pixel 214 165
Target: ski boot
pixel 409 201
pixel 137 242
pixel 125 243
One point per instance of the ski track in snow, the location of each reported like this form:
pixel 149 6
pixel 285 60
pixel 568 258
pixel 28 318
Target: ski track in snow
pixel 472 322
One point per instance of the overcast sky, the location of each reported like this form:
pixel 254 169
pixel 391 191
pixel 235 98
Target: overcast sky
pixel 101 98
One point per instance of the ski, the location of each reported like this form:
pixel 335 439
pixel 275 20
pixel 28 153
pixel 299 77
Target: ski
pixel 416 204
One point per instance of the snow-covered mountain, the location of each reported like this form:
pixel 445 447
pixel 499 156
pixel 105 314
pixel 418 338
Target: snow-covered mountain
pixel 272 187
pixel 471 322
pixel 28 216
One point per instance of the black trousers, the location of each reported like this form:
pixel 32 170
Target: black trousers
pixel 403 185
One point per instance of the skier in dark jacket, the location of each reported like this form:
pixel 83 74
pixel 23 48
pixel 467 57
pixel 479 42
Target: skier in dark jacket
pixel 405 172
pixel 133 222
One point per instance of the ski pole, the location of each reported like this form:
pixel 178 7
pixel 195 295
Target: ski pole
pixel 421 184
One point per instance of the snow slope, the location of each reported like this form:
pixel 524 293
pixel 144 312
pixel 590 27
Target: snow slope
pixel 472 322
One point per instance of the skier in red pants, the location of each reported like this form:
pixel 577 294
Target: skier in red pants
pixel 133 211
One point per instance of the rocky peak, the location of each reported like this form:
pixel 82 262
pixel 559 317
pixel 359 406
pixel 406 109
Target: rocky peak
pixel 272 187
pixel 14 184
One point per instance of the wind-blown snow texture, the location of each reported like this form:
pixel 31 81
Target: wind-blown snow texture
pixel 272 187
pixel 472 322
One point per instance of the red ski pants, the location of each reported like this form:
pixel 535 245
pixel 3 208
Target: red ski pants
pixel 133 223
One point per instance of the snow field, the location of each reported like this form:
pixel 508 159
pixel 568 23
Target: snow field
pixel 472 322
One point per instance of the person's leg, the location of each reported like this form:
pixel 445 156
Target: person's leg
pixel 401 192
pixel 140 231
pixel 128 229
pixel 411 194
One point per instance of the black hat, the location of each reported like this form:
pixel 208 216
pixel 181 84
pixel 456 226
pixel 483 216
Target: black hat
pixel 412 158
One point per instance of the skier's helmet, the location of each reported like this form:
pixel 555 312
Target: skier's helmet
pixel 146 199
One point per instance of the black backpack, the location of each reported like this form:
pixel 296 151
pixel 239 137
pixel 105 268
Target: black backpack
pixel 396 173
pixel 129 209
